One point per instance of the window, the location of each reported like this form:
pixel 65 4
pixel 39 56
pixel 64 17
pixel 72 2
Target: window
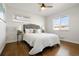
pixel 1 15
pixel 2 11
pixel 61 23
pixel 56 24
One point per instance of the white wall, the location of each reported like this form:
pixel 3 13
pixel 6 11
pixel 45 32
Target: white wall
pixel 11 26
pixel 72 35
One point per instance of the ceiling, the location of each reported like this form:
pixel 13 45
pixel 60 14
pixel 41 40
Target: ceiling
pixel 35 7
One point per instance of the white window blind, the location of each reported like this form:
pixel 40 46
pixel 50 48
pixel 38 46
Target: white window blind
pixel 61 23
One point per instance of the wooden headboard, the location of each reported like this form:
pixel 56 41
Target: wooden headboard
pixel 30 26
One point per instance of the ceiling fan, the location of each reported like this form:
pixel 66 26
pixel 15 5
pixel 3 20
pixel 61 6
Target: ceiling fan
pixel 44 6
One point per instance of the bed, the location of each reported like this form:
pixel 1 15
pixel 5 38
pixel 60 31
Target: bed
pixel 38 41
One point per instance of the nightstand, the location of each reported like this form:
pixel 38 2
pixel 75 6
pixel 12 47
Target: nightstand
pixel 19 34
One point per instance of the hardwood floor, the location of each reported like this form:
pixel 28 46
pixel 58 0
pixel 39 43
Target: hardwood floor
pixel 22 49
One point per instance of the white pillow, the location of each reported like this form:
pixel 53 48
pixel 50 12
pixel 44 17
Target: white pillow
pixel 38 31
pixel 29 30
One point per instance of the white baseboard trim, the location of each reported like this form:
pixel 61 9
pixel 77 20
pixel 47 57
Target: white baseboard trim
pixel 76 42
pixel 11 41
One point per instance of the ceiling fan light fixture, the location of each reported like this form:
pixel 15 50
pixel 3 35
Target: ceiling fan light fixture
pixel 43 7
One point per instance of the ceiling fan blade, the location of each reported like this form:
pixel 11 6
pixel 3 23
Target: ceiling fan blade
pixel 49 6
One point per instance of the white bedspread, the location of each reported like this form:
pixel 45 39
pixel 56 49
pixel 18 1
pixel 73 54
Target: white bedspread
pixel 40 40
